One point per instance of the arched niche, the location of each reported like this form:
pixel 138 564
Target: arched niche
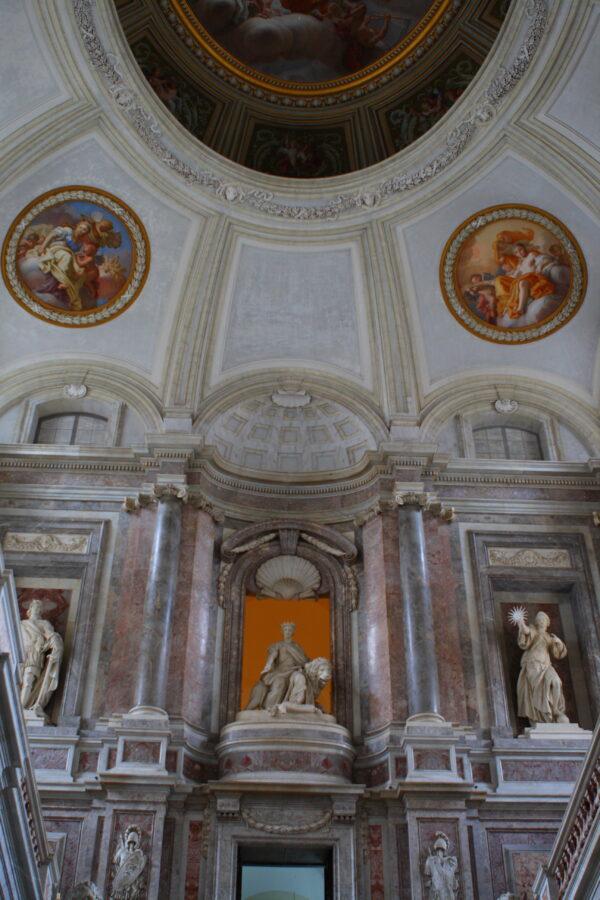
pixel 242 554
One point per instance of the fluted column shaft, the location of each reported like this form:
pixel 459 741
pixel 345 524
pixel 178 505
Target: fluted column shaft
pixel 159 604
pixel 419 639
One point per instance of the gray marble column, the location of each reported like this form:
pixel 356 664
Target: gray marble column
pixel 419 640
pixel 159 604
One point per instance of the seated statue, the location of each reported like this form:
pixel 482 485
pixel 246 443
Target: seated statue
pixel 289 677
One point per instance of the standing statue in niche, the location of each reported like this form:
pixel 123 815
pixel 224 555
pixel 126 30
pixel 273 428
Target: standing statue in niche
pixel 129 863
pixel 289 678
pixel 43 654
pixel 540 693
pixel 440 870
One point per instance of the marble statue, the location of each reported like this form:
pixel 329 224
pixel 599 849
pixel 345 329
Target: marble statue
pixel 540 693
pixel 440 870
pixel 289 676
pixel 129 863
pixel 43 648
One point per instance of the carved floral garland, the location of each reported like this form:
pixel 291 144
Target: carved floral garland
pixel 319 823
pixel 265 202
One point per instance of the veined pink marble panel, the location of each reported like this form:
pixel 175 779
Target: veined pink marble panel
pixel 432 759
pixel 198 771
pixel 377 882
pixel 166 860
pixel 194 856
pixel 71 828
pixel 121 639
pixel 48 758
pixel 540 769
pixel 198 647
pixel 373 776
pixel 178 674
pixel 513 839
pixel 481 772
pixel 88 761
pixel 141 751
pixel 450 638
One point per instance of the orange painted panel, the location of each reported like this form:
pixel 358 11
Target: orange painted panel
pixel 262 627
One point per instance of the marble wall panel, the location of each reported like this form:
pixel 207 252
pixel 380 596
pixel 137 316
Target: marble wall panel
pixel 72 829
pixel 166 860
pixel 194 858
pixel 566 770
pixel 502 843
pixel 376 862
pixel 88 761
pixel 117 669
pixel 452 640
pixel 381 650
pixel 48 758
pixel 402 846
pixel 199 643
pixel 432 759
pixel 144 752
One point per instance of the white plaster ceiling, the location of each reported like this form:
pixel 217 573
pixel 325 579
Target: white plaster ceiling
pixel 239 289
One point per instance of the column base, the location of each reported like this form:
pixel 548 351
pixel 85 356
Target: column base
pixel 555 731
pixel 427 720
pixel 430 746
pixel 148 712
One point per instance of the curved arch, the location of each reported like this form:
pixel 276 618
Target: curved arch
pixel 332 554
pixel 538 398
pixel 47 380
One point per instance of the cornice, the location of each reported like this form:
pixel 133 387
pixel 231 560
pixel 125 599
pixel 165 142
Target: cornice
pixel 148 129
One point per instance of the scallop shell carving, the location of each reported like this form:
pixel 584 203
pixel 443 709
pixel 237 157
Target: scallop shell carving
pixel 288 578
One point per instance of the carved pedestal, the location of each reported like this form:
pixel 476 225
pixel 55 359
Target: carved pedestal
pixel 289 747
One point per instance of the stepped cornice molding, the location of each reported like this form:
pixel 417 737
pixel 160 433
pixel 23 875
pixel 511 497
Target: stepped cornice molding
pixel 146 125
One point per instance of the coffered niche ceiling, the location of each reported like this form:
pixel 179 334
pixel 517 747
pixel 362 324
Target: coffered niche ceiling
pixel 309 89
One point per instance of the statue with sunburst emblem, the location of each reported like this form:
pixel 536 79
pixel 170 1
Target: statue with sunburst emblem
pixel 540 692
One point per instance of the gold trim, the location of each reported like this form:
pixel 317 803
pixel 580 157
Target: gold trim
pixel 524 329
pixel 134 258
pixel 393 57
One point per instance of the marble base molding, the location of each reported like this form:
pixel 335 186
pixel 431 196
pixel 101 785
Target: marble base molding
pixel 278 751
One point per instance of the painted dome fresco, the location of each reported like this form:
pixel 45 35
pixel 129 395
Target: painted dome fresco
pixel 313 41
pixel 309 88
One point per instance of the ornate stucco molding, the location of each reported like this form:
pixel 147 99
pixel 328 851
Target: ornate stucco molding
pixel 426 501
pixel 34 542
pixel 149 130
pixel 302 828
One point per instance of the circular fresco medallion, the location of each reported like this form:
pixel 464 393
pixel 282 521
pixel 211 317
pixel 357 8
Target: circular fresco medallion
pixel 512 274
pixel 76 256
pixel 310 47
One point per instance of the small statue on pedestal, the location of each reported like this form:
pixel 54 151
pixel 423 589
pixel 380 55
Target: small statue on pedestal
pixel 440 870
pixel 43 654
pixel 289 681
pixel 540 692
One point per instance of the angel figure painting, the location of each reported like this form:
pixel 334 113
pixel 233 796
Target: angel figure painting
pixel 73 257
pixel 512 269
pixel 309 40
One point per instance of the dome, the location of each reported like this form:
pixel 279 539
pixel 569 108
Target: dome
pixel 290 431
pixel 309 88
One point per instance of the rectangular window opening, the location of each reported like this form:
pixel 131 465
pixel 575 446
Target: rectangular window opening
pixel 284 873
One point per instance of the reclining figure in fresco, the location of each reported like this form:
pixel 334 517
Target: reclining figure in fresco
pixel 289 679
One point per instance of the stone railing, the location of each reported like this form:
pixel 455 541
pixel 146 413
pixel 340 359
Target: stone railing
pixel 573 869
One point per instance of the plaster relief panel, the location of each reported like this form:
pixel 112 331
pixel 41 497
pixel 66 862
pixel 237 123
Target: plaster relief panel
pixel 294 304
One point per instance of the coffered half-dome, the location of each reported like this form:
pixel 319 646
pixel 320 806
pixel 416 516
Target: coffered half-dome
pixel 309 88
pixel 290 431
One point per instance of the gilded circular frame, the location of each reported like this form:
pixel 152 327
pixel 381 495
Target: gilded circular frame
pixel 409 48
pixel 119 221
pixel 510 309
